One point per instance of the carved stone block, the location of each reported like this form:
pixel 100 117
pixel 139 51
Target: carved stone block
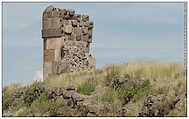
pixel 49 55
pixel 51 33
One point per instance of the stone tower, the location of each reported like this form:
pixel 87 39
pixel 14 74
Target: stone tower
pixel 66 38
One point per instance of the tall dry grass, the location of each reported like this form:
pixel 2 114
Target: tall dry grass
pixel 162 78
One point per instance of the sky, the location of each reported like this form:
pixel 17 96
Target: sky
pixel 122 32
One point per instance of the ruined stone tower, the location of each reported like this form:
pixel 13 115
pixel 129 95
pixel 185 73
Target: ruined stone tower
pixel 66 38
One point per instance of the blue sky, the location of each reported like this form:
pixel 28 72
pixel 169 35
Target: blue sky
pixel 122 32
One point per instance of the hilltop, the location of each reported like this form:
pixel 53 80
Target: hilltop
pixel 130 89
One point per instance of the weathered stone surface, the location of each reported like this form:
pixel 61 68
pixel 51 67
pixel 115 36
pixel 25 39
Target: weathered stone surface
pixel 85 31
pixel 73 36
pixel 65 37
pixel 85 18
pixel 72 12
pixel 117 82
pixel 51 33
pixel 86 24
pixel 68 28
pixel 71 87
pixel 67 95
pixel 74 23
pixel 49 55
pixel 61 67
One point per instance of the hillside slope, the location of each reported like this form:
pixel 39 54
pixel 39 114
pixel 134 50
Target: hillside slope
pixel 132 89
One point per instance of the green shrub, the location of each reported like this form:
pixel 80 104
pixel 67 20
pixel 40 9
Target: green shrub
pixel 17 104
pixel 87 87
pixel 7 95
pixel 133 90
pixel 6 99
pixel 30 96
pixel 126 93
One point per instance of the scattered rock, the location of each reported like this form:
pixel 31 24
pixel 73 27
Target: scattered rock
pixel 91 114
pixel 160 105
pixel 70 88
pixel 181 100
pixel 67 95
pixel 122 112
pixel 117 82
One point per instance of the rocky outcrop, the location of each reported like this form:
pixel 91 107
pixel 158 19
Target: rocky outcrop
pixel 69 93
pixel 161 105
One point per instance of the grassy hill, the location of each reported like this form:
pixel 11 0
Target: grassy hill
pixel 131 89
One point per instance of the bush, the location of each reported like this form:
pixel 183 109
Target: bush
pixel 133 90
pixel 6 99
pixel 126 92
pixel 87 87
pixel 17 104
pixel 7 95
pixel 30 96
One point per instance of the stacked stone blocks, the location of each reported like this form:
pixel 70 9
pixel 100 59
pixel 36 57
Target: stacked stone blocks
pixel 67 37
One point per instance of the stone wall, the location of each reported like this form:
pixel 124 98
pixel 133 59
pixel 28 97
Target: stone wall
pixel 67 37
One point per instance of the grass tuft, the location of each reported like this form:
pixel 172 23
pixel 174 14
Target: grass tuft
pixel 87 87
pixel 111 73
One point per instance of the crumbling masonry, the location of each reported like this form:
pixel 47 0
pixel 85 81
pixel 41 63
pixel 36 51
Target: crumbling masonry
pixel 67 37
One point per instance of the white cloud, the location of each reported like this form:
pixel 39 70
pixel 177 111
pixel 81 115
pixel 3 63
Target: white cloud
pixel 38 76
